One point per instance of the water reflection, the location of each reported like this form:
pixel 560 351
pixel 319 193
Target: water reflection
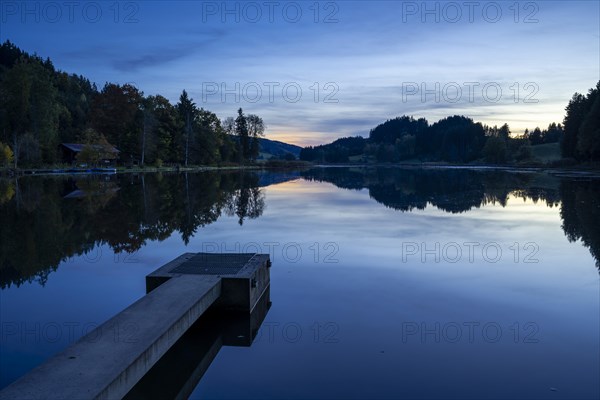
pixel 461 190
pixel 370 293
pixel 580 213
pixel 451 190
pixel 196 350
pixel 48 220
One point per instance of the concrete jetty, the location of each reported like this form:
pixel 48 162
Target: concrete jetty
pixel 110 360
pixel 177 374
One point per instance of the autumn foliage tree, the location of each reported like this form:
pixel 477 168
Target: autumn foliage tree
pixel 6 155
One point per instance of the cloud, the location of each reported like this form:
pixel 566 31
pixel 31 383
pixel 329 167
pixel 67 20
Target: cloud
pixel 129 56
pixel 370 54
pixel 152 58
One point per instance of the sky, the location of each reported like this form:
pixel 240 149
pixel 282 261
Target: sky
pixel 319 70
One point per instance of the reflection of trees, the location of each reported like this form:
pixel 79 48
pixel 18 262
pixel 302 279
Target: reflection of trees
pixel 7 191
pixel 346 178
pixel 44 221
pixel 451 190
pixel 580 213
pixel 248 202
pixel 49 220
pixel 460 190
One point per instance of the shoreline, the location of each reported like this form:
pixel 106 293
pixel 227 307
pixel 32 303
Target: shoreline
pixel 571 171
pixel 113 171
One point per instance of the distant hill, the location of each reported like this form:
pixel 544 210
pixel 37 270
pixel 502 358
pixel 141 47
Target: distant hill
pixel 341 150
pixel 277 149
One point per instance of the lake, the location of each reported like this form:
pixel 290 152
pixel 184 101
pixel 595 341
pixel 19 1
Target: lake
pixel 385 282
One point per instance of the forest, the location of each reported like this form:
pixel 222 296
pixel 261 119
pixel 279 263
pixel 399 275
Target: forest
pixel 42 107
pixel 459 139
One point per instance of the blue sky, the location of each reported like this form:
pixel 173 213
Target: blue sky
pixel 496 62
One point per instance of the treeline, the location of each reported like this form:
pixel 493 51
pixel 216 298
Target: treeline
pixel 553 134
pixel 458 139
pixel 41 107
pixel 339 151
pixel 452 139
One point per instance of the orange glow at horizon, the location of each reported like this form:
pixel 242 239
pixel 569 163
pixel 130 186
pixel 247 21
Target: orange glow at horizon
pixel 300 139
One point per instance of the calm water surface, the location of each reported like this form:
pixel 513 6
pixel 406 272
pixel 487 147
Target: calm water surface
pixel 386 283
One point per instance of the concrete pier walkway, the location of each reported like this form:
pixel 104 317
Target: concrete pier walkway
pixel 110 360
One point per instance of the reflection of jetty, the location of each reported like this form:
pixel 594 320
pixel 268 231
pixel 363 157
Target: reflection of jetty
pixel 109 361
pixel 177 373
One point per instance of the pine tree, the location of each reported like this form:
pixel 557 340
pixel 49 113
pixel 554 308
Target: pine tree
pixel 241 130
pixel 588 144
pixel 187 110
pixel 256 129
